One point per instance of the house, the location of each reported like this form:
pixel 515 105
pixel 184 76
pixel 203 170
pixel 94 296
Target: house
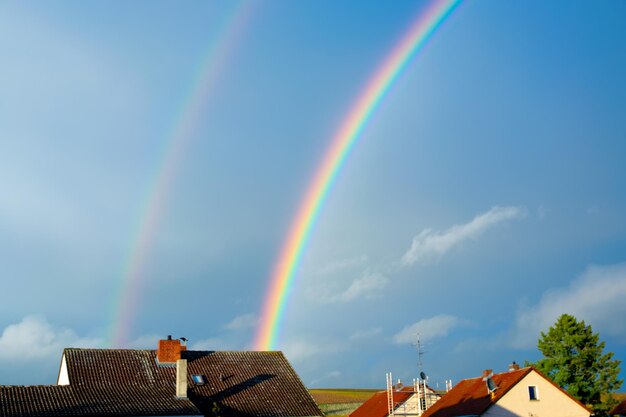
pixel 619 410
pixel 169 381
pixel 518 392
pixel 405 400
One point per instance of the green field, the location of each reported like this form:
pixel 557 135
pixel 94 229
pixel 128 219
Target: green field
pixel 340 402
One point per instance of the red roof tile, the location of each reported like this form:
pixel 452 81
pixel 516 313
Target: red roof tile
pixel 376 406
pixel 471 397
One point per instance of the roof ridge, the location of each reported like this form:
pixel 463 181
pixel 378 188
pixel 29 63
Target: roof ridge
pixel 110 349
pixel 32 386
pixel 260 352
pixel 524 369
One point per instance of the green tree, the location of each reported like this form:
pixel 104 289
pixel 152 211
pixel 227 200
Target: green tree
pixel 574 360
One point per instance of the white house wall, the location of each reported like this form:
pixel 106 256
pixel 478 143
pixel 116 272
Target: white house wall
pixel 410 406
pixel 551 401
pixel 64 378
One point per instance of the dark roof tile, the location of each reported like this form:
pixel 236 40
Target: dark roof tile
pixel 106 382
pixel 68 400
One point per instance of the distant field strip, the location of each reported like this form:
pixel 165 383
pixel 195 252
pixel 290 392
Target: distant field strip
pixel 341 396
pixel 340 402
pixel 342 409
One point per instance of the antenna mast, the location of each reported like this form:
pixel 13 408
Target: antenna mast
pixel 420 352
pixel 421 382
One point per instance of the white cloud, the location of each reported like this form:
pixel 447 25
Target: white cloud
pixel 342 264
pixel 245 321
pixel 366 334
pixel 428 329
pixel 210 344
pixel 35 338
pixel 301 349
pixel 429 245
pixel 597 297
pixel 367 286
pixel 149 341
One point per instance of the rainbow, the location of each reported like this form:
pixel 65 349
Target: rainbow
pixel 174 144
pixel 344 140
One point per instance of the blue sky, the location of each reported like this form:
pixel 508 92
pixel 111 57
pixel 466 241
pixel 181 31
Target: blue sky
pixel 484 198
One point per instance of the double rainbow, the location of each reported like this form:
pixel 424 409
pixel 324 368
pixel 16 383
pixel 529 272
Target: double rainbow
pixel 173 147
pixel 345 138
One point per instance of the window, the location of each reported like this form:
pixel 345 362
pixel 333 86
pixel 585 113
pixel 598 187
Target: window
pixel 198 379
pixel 532 393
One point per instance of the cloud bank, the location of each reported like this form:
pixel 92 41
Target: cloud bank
pixel 366 334
pixel 367 286
pixel 342 264
pixel 213 343
pixel 301 349
pixel 428 329
pixel 597 297
pixel 35 338
pixel 432 245
pixel 244 321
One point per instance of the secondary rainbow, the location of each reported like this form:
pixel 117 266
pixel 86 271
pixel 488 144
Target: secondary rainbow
pixel 343 141
pixel 173 145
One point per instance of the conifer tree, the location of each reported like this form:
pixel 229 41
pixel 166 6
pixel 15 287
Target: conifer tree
pixel 574 360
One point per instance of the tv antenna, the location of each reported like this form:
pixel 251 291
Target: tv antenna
pixel 420 352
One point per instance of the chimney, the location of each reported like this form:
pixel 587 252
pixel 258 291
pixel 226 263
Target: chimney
pixel 513 367
pixel 169 351
pixel 399 385
pixel 181 378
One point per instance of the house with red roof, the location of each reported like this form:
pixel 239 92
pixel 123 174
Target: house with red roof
pixel 518 392
pixel 168 381
pixel 405 401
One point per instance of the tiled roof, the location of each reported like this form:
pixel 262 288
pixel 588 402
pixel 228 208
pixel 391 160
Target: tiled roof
pixel 68 400
pixel 253 383
pixel 129 382
pixel 376 405
pixel 620 409
pixel 470 396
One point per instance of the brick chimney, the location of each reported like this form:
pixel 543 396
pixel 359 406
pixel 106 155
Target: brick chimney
pixel 169 351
